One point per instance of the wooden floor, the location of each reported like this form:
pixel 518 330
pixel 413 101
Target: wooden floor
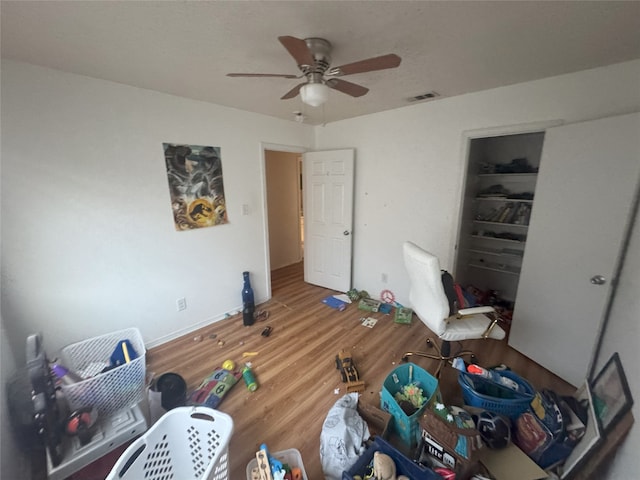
pixel 295 366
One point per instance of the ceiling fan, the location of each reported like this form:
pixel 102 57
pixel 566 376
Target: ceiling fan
pixel 313 57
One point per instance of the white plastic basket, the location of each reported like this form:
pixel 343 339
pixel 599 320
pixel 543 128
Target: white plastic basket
pixel 187 443
pixel 113 390
pixel 291 456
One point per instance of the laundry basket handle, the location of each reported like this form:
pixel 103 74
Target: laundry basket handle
pixel 202 416
pixel 134 456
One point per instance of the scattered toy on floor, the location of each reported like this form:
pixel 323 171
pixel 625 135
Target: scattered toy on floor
pixel 277 469
pixel 249 378
pixel 334 302
pixel 384 468
pixel 387 296
pixel 354 294
pixel 214 388
pixel 369 304
pixel 349 372
pixel 368 322
pixel 385 308
pixel 343 298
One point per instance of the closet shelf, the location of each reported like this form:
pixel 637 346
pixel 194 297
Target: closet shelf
pixel 512 271
pixel 497 239
pixel 496 253
pixel 509 175
pixel 503 199
pixel 502 224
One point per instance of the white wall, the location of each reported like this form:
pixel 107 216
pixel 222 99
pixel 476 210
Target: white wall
pixel 410 166
pixel 88 241
pixel 409 175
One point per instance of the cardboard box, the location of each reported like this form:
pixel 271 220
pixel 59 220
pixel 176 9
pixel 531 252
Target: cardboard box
pixel 377 420
pixel 454 443
pixel 442 447
pixel 510 463
pixel 403 315
pixel 435 453
pixel 369 305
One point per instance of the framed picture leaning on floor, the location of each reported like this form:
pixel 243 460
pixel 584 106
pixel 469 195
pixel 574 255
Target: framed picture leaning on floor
pixel 611 395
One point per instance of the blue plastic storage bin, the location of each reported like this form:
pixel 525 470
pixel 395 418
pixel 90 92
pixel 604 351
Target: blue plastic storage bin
pixel 406 427
pixel 404 466
pixel 484 393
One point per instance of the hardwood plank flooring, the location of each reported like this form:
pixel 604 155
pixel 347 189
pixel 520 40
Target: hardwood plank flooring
pixel 295 366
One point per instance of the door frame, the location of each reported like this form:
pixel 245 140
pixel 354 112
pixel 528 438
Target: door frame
pixel 265 207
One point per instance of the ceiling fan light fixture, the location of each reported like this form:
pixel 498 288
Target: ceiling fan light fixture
pixel 314 94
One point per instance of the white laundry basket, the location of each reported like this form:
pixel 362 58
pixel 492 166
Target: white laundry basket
pixel 110 391
pixel 187 443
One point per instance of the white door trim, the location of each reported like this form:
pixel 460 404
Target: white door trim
pixel 265 211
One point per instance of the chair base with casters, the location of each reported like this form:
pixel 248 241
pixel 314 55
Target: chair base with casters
pixel 474 316
pixel 432 306
pixel 443 354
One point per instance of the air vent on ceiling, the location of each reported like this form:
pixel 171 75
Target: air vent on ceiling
pixel 424 96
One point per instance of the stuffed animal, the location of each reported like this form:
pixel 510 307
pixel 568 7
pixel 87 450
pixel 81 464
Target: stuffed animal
pixel 384 468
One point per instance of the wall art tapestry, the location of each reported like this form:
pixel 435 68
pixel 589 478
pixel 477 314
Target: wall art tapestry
pixel 195 183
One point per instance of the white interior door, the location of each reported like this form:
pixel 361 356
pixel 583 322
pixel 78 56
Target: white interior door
pixel 584 192
pixel 328 218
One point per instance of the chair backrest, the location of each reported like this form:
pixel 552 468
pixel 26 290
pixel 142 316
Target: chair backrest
pixel 426 294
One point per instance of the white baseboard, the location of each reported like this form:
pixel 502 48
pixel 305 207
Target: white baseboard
pixel 192 328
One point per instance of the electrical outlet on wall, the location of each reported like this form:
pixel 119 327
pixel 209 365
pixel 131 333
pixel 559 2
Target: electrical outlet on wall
pixel 181 304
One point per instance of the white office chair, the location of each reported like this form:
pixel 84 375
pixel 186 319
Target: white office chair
pixel 431 305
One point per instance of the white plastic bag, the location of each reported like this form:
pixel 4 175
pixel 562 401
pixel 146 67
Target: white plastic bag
pixel 342 438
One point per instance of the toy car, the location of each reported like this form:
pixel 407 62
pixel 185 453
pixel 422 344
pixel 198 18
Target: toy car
pixel 349 372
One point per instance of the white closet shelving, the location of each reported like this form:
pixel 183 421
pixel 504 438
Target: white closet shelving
pixel 498 200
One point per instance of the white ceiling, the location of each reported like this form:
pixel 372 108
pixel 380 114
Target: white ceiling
pixel 186 48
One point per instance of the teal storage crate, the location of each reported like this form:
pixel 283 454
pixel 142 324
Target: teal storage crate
pixel 406 427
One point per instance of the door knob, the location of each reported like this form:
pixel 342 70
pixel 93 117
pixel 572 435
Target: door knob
pixel 346 232
pixel 598 280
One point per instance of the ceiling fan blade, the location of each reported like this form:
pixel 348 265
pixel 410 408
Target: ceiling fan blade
pixel 298 49
pixel 281 75
pixel 369 65
pixel 347 87
pixel 293 92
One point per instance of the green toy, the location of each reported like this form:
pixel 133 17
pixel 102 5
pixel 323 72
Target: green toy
pixel 411 393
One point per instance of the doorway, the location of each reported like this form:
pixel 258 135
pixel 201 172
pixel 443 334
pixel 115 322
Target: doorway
pixel 323 236
pixel 285 219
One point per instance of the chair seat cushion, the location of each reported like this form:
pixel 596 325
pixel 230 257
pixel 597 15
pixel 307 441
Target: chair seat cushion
pixel 470 327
